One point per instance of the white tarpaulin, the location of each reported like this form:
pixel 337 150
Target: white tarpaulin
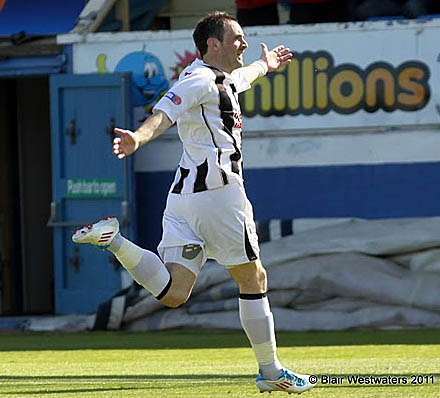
pixel 353 274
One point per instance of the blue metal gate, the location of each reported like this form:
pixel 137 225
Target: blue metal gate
pixel 88 183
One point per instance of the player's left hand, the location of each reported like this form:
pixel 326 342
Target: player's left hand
pixel 277 57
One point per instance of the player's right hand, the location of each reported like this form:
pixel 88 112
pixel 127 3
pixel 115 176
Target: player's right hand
pixel 125 144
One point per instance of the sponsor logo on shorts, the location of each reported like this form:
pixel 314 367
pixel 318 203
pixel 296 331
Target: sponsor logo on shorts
pixel 191 251
pixel 175 99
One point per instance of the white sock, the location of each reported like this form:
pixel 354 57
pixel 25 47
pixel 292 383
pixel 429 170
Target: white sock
pixel 257 321
pixel 144 266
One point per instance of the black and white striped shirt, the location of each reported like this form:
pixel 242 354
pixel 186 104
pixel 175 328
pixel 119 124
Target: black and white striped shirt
pixel 204 102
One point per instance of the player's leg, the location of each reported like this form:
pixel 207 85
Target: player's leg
pixel 184 264
pixel 257 321
pixel 256 316
pixel 171 284
pixel 223 218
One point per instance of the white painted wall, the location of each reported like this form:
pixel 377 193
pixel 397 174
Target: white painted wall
pixel 270 151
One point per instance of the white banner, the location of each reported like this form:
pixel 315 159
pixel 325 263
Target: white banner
pixel 343 76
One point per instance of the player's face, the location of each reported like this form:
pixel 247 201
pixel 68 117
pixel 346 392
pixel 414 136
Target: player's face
pixel 233 46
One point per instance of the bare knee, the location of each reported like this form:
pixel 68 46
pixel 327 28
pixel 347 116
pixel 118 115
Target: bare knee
pixel 259 280
pixel 175 298
pixel 250 277
pixel 254 280
pixel 182 282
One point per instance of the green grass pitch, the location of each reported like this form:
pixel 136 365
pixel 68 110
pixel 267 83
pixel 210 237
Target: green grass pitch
pixel 188 363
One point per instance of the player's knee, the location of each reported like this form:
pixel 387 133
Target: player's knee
pixel 182 283
pixel 258 277
pixel 261 277
pixel 257 280
pixel 250 277
pixel 175 298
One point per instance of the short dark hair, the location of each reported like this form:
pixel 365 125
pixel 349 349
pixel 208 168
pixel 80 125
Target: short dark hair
pixel 213 25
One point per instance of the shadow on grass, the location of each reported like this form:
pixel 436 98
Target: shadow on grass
pixel 70 391
pixel 115 379
pixel 200 339
pixel 225 377
pixel 135 378
pixel 217 379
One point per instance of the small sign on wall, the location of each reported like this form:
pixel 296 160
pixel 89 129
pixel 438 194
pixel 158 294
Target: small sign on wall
pixel 91 188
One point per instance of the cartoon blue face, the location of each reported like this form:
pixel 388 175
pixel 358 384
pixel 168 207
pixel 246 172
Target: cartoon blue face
pixel 147 74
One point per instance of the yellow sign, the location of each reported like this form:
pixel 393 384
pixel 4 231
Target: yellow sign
pixel 312 84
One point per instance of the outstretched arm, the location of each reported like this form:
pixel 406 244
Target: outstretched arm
pixel 269 62
pixel 129 141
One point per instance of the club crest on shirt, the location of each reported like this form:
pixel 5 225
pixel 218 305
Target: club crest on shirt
pixel 238 120
pixel 175 99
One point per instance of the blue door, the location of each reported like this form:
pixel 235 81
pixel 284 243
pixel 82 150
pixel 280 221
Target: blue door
pixel 89 183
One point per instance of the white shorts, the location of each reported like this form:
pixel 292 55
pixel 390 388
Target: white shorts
pixel 217 224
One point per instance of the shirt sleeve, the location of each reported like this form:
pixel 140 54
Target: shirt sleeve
pixel 187 92
pixel 240 81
